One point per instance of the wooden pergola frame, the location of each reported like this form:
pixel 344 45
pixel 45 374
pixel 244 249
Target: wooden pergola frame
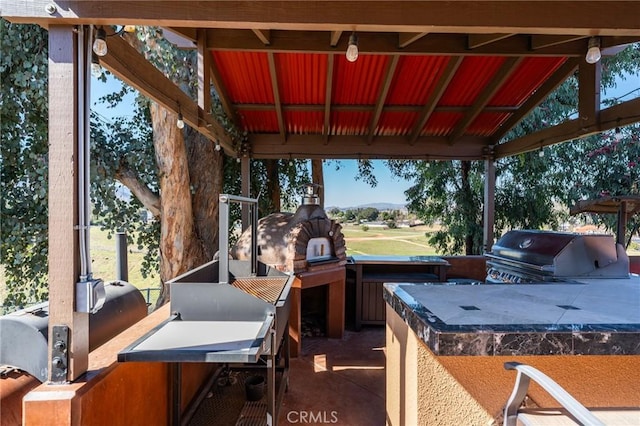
pixel 457 28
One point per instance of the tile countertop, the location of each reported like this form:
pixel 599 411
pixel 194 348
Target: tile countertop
pixel 590 317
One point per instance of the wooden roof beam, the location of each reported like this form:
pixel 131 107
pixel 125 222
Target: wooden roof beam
pixel 617 115
pixel 478 40
pixel 559 76
pixel 390 72
pixel 434 97
pixel 223 95
pixel 327 99
pixel 350 147
pixel 276 96
pixel 507 68
pixel 128 65
pixel 387 44
pixel 405 39
pixel 483 16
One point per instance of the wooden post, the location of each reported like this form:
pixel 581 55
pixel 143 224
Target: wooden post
pixel 489 203
pixel 245 183
pixel 589 76
pixel 64 254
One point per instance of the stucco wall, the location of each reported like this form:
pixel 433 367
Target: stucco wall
pixel 444 390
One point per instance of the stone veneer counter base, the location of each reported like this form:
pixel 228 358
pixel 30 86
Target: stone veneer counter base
pixel 592 317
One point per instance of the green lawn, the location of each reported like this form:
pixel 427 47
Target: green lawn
pixel 377 241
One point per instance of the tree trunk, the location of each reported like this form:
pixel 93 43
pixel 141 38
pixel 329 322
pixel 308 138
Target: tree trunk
pixel 180 250
pixel 317 176
pixel 206 175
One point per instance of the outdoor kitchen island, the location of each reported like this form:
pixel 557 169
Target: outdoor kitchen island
pixel 447 344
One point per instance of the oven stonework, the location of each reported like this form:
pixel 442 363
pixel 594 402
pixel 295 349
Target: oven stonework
pixel 283 239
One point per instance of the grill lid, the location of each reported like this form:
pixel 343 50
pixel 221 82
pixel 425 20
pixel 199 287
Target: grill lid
pixel 563 254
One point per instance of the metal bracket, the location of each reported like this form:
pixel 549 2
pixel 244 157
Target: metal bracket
pixel 60 354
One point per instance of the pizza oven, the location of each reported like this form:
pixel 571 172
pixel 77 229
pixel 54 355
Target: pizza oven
pixel 297 242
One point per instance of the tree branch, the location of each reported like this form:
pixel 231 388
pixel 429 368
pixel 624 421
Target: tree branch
pixel 148 198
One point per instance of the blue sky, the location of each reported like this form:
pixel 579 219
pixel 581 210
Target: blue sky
pixel 342 189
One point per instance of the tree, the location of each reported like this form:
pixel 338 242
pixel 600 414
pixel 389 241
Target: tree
pixel 23 161
pixel 182 194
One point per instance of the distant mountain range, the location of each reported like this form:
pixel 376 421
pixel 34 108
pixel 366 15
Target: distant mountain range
pixel 378 206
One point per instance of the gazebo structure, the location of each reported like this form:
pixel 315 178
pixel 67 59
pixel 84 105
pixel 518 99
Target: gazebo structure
pixel 432 80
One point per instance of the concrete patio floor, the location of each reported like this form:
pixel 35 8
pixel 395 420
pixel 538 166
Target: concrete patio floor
pixel 338 381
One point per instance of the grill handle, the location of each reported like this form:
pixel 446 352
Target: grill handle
pixel 223 234
pixel 520 264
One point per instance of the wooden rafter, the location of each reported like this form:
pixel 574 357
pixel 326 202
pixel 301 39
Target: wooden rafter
pixel 589 76
pixel 434 97
pixel 132 68
pixel 405 39
pixel 204 73
pixel 479 40
pixel 263 35
pixel 276 95
pixel 540 94
pixel 335 38
pixel 507 68
pixel 327 102
pixel 617 115
pixel 221 90
pixel 540 41
pixel 382 96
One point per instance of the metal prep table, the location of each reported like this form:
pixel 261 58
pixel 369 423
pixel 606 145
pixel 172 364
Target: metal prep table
pixel 226 312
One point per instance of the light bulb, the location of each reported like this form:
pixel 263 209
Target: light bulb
pixel 100 44
pixel 352 49
pixel 180 122
pixel 541 153
pixel 593 53
pixel 217 147
pixel 96 69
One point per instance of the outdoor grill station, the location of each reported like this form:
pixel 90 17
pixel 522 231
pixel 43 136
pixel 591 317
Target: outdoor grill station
pixel 230 312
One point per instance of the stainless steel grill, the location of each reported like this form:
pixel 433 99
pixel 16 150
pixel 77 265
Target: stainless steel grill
pixel 530 256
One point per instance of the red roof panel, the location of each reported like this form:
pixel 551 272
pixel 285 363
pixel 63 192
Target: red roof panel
pixel 358 83
pixel 259 121
pixel 396 123
pixel 441 123
pixel 245 75
pixel 415 79
pixel 302 78
pixel 350 123
pixel 486 123
pixel 531 73
pixel 304 122
pixel 472 76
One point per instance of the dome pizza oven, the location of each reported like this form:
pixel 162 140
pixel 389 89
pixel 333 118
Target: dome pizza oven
pixel 297 242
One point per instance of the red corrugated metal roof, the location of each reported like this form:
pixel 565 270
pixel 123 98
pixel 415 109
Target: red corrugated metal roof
pixel 356 87
pixel 531 73
pixel 302 78
pixel 415 79
pixel 358 83
pixel 246 76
